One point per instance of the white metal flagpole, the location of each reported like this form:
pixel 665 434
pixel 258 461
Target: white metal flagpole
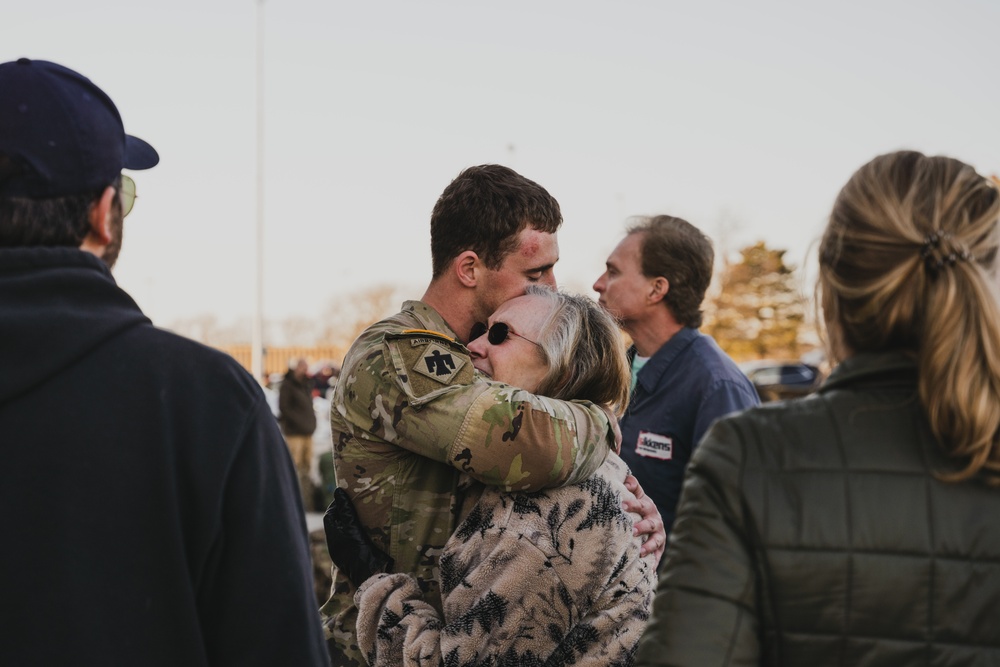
pixel 257 342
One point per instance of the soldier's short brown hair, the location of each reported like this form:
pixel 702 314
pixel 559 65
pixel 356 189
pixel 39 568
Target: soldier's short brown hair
pixel 483 210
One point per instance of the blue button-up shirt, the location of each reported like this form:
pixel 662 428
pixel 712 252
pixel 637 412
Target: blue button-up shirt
pixel 684 387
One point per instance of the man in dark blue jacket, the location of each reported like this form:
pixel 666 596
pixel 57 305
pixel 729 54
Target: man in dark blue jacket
pixel 150 509
pixel 681 381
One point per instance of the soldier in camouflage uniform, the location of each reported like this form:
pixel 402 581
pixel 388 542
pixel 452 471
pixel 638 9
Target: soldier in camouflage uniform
pixel 549 577
pixel 410 414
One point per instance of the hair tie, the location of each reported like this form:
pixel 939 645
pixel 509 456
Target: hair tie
pixel 936 256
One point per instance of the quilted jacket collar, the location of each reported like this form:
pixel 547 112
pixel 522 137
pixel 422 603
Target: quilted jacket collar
pixel 886 369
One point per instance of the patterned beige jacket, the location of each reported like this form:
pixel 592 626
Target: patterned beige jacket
pixel 546 578
pixel 409 416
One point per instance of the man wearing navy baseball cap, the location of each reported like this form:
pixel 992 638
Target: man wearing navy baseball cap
pixel 151 513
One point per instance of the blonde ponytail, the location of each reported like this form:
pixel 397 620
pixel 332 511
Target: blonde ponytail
pixel 908 262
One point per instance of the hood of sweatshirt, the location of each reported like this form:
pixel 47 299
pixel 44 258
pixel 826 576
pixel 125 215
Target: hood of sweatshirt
pixel 56 305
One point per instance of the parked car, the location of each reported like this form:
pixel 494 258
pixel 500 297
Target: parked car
pixel 776 380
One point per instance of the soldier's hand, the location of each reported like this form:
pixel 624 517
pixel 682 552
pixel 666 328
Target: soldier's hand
pixel 651 523
pixel 351 549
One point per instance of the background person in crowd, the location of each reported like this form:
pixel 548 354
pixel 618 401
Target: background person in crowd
pixel 654 284
pixel 324 379
pixel 858 526
pixel 150 508
pixel 411 413
pixel 553 576
pixel 298 422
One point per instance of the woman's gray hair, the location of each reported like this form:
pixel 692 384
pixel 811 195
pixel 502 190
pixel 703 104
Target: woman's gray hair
pixel 585 351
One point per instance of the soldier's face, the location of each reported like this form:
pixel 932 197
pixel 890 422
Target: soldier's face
pixel 532 261
pixel 516 359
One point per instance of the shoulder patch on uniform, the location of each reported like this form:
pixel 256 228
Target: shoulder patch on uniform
pixel 429 360
pixel 438 363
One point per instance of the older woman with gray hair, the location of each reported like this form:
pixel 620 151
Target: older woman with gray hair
pixel 531 578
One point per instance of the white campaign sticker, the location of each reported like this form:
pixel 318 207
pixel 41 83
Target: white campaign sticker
pixel 654 446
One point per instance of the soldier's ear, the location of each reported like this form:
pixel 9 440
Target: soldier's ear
pixel 466 267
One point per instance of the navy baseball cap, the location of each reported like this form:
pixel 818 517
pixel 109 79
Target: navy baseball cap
pixel 61 134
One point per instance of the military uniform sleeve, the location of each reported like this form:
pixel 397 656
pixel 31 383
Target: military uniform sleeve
pixel 420 392
pixel 255 596
pixel 704 612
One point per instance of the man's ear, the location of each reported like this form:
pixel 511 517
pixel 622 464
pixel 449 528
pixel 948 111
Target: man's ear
pixel 658 289
pixel 465 266
pixel 100 222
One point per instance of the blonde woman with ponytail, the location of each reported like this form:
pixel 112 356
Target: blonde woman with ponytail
pixel 860 526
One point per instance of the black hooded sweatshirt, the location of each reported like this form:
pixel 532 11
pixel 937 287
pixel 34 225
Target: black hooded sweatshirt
pixel 149 512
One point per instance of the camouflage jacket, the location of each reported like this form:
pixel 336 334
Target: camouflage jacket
pixel 409 416
pixel 552 577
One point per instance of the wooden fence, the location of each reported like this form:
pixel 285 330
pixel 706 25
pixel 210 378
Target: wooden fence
pixel 276 358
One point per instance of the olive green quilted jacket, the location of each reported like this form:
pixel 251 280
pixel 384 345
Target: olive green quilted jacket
pixel 815 532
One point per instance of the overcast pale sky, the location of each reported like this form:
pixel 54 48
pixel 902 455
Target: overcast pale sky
pixel 743 117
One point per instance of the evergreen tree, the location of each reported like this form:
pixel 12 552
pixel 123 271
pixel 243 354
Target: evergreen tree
pixel 759 312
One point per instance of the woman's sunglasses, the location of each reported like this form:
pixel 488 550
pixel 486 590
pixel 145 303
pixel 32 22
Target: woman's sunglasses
pixel 496 334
